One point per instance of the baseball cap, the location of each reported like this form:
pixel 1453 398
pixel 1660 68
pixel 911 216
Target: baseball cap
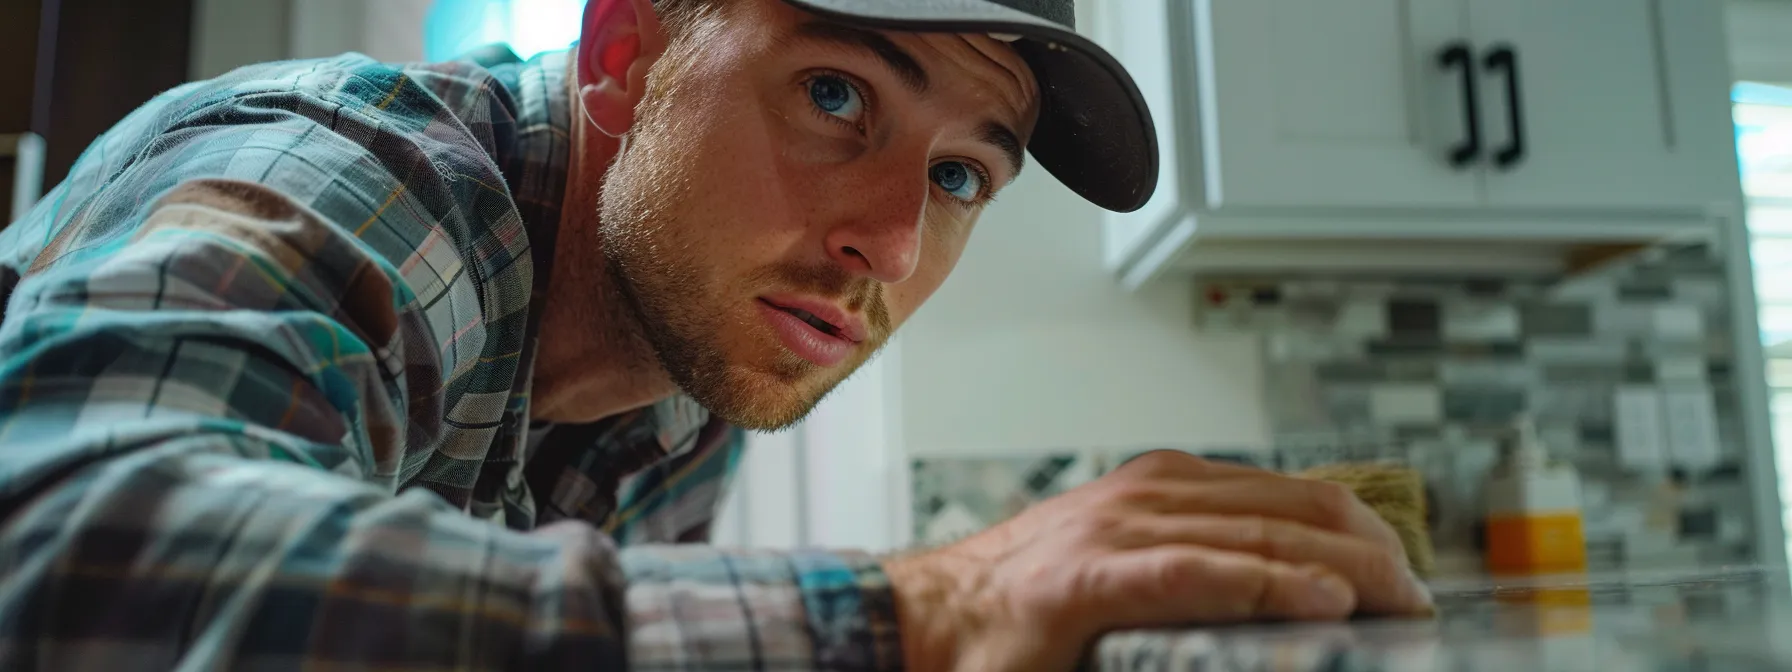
pixel 1094 132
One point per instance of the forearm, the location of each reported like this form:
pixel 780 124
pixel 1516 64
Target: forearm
pixel 700 608
pixel 181 553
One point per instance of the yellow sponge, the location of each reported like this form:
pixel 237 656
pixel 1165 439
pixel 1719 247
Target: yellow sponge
pixel 1397 493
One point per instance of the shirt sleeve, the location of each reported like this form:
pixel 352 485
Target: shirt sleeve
pixel 203 420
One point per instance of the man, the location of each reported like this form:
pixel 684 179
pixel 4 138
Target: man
pixel 335 364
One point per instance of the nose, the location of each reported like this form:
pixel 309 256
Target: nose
pixel 878 234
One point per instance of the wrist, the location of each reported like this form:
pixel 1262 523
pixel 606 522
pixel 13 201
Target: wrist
pixel 931 591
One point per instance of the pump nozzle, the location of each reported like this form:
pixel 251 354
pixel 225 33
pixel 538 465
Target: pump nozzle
pixel 1528 453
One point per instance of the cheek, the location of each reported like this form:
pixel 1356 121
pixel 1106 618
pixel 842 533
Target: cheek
pixel 736 203
pixel 939 256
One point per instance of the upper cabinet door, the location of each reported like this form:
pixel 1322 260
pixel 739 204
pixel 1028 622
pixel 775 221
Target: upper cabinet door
pixel 1602 104
pixel 1332 104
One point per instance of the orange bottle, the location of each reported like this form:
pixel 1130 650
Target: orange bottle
pixel 1533 512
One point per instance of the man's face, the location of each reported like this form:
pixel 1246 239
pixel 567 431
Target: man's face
pixel 792 190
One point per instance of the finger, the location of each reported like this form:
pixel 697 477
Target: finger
pixel 1381 579
pixel 1320 504
pixel 1177 464
pixel 1167 585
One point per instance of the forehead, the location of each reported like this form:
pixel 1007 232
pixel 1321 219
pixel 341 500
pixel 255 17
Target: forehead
pixel 961 63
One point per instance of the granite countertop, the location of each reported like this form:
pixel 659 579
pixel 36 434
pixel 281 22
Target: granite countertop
pixel 1728 618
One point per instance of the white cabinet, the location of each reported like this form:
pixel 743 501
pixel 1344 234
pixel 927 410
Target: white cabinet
pixel 1329 103
pixel 1605 117
pixel 1527 126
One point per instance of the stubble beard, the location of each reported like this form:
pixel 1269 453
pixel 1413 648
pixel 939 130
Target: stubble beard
pixel 671 299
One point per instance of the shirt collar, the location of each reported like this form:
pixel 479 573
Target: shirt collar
pixel 540 162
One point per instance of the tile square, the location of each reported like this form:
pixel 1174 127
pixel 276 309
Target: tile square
pixel 1414 317
pixel 1609 373
pixel 1411 371
pixel 1307 347
pixel 1294 396
pixel 1458 372
pixel 1700 291
pixel 1572 404
pixel 1309 314
pixel 1557 349
pixel 1484 286
pixel 1361 319
pixel 1404 347
pixel 1483 405
pixel 1645 289
pixel 1679 323
pixel 1624 319
pixel 1348 405
pixel 1487 350
pixel 1684 369
pixel 1349 372
pixel 1480 321
pixel 1393 403
pixel 1698 524
pixel 1556 319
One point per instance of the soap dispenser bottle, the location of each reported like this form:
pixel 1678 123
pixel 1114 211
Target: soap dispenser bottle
pixel 1534 512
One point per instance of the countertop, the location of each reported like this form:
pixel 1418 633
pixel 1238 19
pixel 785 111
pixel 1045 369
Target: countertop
pixel 1724 618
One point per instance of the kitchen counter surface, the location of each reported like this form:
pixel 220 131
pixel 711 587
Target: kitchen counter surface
pixel 1730 618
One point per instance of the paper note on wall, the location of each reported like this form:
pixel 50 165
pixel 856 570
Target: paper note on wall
pixel 1636 414
pixel 1691 422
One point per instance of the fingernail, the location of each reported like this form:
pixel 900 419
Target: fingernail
pixel 1331 593
pixel 1424 590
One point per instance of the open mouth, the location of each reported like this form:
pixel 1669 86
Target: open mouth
pixel 810 319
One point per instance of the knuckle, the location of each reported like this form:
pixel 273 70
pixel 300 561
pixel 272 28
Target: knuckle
pixel 1099 525
pixel 1171 573
pixel 1159 460
pixel 1139 494
pixel 1386 568
pixel 1333 502
pixel 1387 537
pixel 1253 533
pixel 1255 593
pixel 1177 574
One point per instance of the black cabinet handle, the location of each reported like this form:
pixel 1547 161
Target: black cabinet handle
pixel 1457 55
pixel 1504 57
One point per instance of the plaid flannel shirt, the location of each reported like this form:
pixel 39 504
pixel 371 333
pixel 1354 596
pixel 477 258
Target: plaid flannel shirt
pixel 264 404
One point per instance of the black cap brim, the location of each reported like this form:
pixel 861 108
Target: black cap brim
pixel 1094 134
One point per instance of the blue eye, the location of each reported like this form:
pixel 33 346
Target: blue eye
pixel 836 96
pixel 958 179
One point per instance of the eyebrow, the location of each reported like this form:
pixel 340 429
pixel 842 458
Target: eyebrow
pixel 912 75
pixel 1008 141
pixel 904 65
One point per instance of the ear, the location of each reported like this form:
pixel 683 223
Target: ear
pixel 621 40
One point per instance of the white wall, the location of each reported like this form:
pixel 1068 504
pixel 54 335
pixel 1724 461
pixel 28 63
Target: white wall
pixel 386 30
pixel 1760 33
pixel 1031 345
pixel 232 33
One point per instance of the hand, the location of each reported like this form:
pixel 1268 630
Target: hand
pixel 1166 539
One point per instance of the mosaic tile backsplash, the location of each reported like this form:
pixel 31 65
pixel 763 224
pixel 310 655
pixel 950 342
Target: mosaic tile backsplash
pixel 1626 372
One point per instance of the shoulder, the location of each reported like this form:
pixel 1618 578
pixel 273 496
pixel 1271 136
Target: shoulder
pixel 379 151
pixel 349 136
pixel 396 91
